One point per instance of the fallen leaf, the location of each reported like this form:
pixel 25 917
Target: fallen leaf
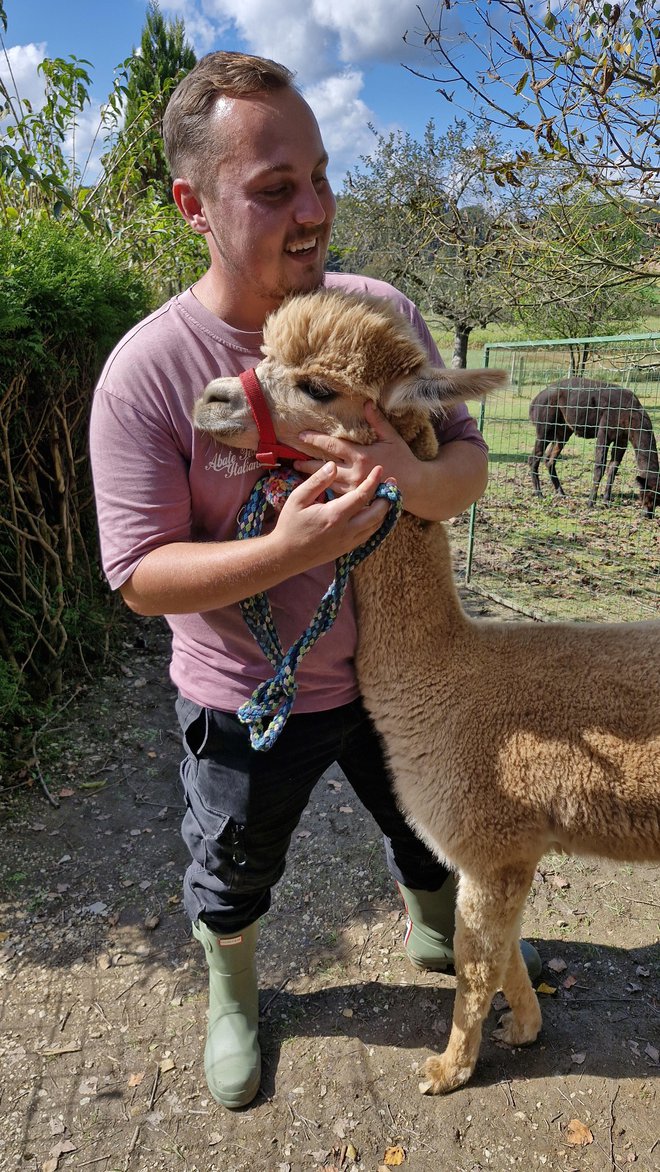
pixel 578 1134
pixel 214 1138
pixel 4 936
pixel 579 1058
pixel 569 982
pixel 642 971
pixel 653 1052
pixel 557 965
pixel 304 834
pixel 166 1064
pixel 548 990
pixel 351 1153
pixel 345 809
pixel 151 752
pixel 103 961
pixel 38 826
pixel 394 1156
pixel 66 792
pixel 347 1012
pixel 56 1127
pixel 152 921
pixel 49 1166
pixel 559 881
pixel 135 1079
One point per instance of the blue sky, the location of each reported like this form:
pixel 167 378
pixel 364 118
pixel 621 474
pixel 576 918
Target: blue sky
pixel 348 55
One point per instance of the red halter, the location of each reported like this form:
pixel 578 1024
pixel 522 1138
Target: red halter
pixel 270 451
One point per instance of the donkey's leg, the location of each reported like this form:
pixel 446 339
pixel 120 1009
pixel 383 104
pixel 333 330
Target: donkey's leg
pixel 487 921
pixel 616 456
pixel 534 460
pixel 551 455
pixel 600 462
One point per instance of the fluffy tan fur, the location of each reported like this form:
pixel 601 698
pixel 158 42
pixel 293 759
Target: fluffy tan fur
pixel 504 739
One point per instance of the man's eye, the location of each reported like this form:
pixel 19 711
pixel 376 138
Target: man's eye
pixel 275 192
pixel 316 390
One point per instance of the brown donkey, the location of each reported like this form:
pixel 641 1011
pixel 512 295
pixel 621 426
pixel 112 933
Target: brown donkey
pixel 611 415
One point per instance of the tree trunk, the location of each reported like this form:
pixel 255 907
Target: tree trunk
pixel 461 335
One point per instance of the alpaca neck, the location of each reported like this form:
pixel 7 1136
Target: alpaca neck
pixel 406 598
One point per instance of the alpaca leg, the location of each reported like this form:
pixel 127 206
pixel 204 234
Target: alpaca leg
pixel 521 1024
pixel 487 921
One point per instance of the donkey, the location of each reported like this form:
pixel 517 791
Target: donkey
pixel 611 415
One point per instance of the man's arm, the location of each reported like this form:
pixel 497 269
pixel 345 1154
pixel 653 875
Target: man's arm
pixel 185 577
pixel 433 489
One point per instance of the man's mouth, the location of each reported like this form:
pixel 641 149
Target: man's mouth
pixel 302 245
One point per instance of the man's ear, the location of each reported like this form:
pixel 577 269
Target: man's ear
pixel 190 205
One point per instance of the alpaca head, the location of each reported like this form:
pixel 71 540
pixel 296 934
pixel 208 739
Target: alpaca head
pixel 325 355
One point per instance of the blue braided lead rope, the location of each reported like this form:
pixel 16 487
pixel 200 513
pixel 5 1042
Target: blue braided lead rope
pixel 268 709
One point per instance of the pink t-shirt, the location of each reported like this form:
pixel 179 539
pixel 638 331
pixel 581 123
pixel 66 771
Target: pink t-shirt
pixel 157 481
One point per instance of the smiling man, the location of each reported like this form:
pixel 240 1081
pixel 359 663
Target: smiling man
pixel 249 173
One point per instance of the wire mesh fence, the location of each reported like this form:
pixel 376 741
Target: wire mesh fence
pixel 580 423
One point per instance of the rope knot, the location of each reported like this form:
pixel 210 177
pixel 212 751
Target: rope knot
pixel 268 709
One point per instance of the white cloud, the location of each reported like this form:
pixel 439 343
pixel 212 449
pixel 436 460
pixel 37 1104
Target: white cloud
pixel 20 72
pixel 289 32
pixel 370 30
pixel 344 120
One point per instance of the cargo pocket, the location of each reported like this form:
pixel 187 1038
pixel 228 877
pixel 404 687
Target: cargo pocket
pixel 215 840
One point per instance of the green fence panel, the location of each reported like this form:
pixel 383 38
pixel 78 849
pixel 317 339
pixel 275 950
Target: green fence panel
pixel 561 557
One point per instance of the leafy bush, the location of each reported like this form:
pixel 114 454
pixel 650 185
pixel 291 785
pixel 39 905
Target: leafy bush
pixel 64 302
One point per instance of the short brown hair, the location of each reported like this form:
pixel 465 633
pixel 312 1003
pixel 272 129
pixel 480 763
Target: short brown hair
pixel 188 144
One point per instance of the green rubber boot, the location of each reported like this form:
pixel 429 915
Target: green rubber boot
pixel 429 936
pixel 232 1059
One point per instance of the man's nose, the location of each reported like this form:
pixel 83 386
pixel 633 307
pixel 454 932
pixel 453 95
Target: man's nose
pixel 310 208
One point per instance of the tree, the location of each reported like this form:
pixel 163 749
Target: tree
pixel 164 57
pixel 429 217
pixel 577 80
pixel 577 266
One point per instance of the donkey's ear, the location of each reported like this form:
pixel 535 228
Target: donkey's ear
pixel 435 389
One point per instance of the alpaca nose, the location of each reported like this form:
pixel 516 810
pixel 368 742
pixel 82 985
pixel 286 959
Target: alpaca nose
pixel 217 392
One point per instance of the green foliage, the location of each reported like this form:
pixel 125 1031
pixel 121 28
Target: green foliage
pixel 64 302
pixel 163 59
pixel 578 83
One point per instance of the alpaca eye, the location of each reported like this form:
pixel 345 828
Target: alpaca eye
pixel 316 390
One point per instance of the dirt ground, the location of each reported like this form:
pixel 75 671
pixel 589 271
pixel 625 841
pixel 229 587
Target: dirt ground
pixel 104 990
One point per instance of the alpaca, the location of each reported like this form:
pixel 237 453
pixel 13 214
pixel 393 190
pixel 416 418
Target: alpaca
pixel 611 415
pixel 504 740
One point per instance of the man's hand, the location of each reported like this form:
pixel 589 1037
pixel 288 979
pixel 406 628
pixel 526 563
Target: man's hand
pixel 312 530
pixel 354 461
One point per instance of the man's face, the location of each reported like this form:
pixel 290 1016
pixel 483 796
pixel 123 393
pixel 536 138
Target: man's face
pixel 269 207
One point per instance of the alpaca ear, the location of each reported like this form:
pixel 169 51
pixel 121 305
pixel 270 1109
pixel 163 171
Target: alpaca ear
pixel 436 389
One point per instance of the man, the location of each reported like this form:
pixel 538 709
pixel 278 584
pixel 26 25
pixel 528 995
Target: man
pixel 249 173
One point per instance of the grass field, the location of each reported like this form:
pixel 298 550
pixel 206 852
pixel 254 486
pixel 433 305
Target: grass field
pixel 554 557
